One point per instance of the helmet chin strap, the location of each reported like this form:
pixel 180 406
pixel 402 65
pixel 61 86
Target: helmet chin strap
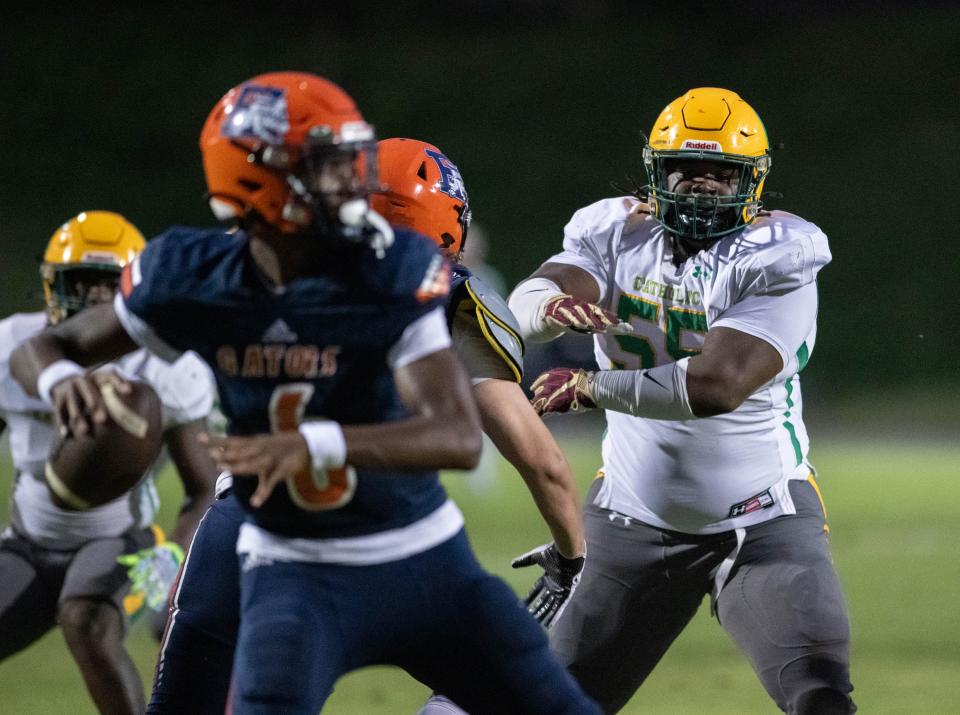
pixel 378 234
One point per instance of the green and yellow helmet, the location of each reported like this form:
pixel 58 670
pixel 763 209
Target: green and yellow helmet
pixel 91 247
pixel 707 124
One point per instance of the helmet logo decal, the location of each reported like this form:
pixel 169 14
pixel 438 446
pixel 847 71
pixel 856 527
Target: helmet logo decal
pixel 701 144
pixel 99 257
pixel 260 113
pixel 451 183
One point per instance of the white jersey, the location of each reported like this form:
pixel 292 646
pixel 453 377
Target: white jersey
pixel 718 473
pixel 186 392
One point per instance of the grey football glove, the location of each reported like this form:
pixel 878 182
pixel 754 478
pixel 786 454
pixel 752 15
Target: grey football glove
pixel 553 589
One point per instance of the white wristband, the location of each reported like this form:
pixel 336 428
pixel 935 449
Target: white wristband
pixel 52 374
pixel 328 448
pixel 659 393
pixel 526 302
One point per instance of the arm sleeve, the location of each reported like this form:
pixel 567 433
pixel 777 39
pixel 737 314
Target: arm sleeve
pixel 786 320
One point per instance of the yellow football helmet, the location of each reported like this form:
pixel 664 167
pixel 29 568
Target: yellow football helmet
pixel 84 257
pixel 715 125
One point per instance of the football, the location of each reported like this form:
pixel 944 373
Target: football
pixel 84 471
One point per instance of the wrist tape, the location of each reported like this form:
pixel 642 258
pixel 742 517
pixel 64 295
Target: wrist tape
pixel 52 374
pixel 327 446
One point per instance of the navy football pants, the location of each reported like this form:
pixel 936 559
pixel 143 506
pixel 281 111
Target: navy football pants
pixel 196 654
pixel 438 615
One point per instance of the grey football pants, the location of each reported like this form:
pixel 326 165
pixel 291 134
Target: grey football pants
pixel 780 601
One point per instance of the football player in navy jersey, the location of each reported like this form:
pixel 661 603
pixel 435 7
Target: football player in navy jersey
pixel 327 336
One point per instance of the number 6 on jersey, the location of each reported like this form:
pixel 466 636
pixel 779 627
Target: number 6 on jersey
pixel 308 489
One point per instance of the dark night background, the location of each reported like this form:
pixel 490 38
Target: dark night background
pixel 541 104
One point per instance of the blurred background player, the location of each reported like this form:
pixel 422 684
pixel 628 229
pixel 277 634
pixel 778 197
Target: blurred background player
pixel 703 310
pixel 59 566
pixel 424 192
pixel 330 348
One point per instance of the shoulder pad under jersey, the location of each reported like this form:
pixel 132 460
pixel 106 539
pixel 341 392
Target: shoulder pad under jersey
pixel 497 323
pixel 600 216
pixel 784 252
pixel 185 388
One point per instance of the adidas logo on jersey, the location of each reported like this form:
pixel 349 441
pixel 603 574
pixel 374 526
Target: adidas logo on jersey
pixel 279 332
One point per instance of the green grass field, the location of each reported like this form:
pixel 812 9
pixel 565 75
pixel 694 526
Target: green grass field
pixel 894 510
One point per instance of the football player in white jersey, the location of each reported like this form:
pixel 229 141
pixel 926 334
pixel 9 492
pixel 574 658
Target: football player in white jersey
pixel 59 566
pixel 703 309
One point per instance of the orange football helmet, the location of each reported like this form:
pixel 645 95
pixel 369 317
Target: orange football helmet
pixel 289 149
pixel 424 192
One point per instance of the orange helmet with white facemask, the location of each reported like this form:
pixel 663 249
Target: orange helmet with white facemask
pixel 290 150
pixel 423 191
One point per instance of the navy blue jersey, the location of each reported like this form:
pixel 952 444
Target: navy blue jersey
pixel 315 349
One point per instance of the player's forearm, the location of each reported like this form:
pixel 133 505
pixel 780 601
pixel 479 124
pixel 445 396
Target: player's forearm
pixel 418 443
pixel 522 438
pixel 197 471
pixel 30 358
pixel 89 338
pixel 658 393
pixel 555 495
pixel 191 512
pixel 677 391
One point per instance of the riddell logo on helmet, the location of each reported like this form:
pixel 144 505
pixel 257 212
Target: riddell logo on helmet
pixel 701 144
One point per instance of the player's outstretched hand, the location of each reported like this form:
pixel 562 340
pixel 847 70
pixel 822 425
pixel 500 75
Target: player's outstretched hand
pixel 580 316
pixel 271 457
pixel 562 389
pixel 78 402
pixel 553 589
